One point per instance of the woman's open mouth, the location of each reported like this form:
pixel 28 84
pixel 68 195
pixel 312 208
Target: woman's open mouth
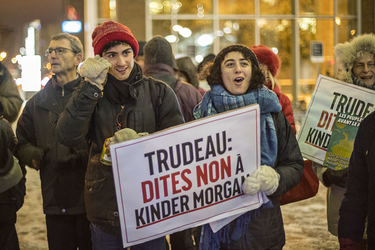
pixel 238 80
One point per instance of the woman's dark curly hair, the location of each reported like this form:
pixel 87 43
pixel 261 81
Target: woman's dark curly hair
pixel 212 71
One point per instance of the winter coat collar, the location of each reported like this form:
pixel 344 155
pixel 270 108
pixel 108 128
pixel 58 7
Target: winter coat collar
pixel 120 91
pixel 48 99
pixel 162 72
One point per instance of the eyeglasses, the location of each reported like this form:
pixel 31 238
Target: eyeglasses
pixel 58 51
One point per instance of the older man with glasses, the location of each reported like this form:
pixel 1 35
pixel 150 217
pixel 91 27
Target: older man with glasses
pixel 62 169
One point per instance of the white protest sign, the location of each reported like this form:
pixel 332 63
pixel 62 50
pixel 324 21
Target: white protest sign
pixel 187 175
pixel 330 96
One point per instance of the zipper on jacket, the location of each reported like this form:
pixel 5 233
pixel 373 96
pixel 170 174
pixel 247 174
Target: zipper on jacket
pixel 62 91
pixel 119 117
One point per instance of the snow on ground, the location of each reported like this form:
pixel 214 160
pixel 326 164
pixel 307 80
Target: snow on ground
pixel 305 221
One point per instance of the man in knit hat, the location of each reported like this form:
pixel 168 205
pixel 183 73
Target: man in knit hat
pixel 160 64
pixel 115 96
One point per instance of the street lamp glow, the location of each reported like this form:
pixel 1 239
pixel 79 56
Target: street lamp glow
pixel 171 38
pixel 185 32
pixel 227 30
pixel 205 40
pixel 3 55
pixel 177 28
pixel 71 26
pixel 198 58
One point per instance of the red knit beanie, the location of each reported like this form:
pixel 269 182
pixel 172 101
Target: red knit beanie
pixel 267 57
pixel 111 31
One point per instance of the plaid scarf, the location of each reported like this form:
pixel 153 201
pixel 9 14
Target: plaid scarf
pixel 218 100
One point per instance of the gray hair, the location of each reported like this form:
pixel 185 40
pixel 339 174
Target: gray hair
pixel 75 43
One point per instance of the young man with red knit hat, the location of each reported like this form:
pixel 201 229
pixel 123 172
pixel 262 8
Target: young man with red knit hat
pixel 114 97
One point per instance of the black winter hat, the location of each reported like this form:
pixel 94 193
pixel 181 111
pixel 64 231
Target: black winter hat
pixel 159 50
pixel 141 45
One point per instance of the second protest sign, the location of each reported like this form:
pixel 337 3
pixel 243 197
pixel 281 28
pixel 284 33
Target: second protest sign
pixel 330 96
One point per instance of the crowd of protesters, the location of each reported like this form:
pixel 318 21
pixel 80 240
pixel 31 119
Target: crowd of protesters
pixel 65 130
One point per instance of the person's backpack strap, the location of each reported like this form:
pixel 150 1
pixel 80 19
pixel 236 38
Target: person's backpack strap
pixel 155 99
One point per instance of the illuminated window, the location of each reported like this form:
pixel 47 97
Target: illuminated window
pixel 287 26
pixel 106 10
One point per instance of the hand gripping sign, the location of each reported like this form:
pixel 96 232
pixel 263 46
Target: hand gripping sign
pixel 187 175
pixel 330 97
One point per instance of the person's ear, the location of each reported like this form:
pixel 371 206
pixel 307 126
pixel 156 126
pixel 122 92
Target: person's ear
pixel 79 58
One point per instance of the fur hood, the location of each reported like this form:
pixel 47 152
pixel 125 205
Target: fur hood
pixel 346 54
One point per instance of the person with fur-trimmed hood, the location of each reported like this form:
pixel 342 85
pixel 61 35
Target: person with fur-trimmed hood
pixel 354 64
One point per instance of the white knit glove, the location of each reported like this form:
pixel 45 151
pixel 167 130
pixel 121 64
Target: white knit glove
pixel 95 70
pixel 264 179
pixel 124 134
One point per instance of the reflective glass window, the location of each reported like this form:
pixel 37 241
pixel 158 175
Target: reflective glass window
pixel 103 9
pixel 167 7
pixel 236 7
pixel 195 37
pixel 321 30
pixel 316 7
pixel 347 7
pixel 161 27
pixel 107 10
pixel 198 7
pixel 277 35
pixel 283 7
pixel 347 29
pixel 236 31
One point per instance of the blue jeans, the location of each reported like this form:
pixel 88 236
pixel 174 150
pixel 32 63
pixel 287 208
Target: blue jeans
pixel 105 241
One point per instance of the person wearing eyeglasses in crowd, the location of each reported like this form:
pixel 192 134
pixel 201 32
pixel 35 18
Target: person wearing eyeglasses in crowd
pixel 62 169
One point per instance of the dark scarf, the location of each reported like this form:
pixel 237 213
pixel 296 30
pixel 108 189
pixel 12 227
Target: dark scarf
pixel 359 82
pixel 218 100
pixel 118 91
